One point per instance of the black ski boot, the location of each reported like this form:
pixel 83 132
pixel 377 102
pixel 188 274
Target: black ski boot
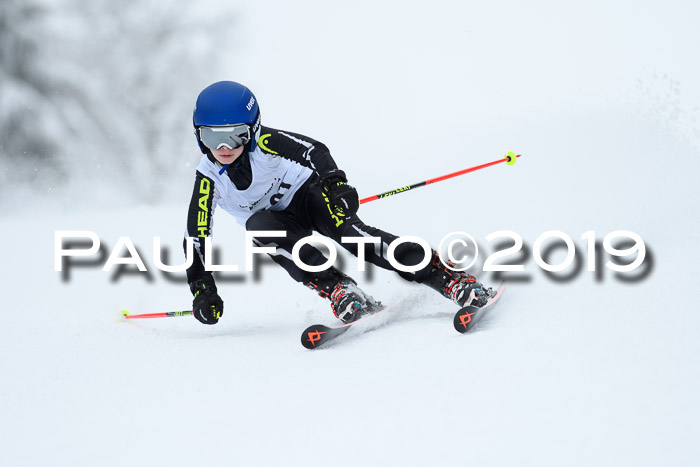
pixel 348 301
pixel 461 288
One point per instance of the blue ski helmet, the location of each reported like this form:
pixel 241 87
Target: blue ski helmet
pixel 226 103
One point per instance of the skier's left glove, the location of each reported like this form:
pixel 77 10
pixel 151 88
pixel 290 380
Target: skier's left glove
pixel 207 306
pixel 342 197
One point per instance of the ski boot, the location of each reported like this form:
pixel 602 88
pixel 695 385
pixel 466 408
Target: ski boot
pixel 458 286
pixel 348 301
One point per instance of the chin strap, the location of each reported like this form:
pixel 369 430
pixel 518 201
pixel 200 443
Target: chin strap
pixel 237 163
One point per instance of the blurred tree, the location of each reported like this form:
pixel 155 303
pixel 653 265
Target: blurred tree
pixel 25 103
pixel 100 92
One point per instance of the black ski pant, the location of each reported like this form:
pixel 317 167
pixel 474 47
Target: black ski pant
pixel 309 211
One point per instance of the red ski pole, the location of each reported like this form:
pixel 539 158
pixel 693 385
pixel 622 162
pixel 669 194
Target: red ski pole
pixel 509 159
pixel 167 314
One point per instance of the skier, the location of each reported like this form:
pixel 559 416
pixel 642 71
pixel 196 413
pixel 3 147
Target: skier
pixel 277 180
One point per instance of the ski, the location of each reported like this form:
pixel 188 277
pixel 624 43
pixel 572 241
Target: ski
pixel 318 334
pixel 467 317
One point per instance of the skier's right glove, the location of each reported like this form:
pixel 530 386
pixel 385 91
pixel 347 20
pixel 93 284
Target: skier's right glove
pixel 207 306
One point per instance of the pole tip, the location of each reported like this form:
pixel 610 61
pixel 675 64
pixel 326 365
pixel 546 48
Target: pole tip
pixel 510 158
pixel 125 313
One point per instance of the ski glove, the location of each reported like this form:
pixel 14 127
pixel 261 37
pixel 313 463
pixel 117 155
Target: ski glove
pixel 207 306
pixel 342 198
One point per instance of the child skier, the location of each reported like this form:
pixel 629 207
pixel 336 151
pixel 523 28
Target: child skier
pixel 277 180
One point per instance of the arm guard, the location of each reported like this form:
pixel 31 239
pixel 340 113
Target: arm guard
pixel 199 225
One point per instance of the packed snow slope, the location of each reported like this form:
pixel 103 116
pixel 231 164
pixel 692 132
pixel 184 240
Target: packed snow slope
pixel 572 368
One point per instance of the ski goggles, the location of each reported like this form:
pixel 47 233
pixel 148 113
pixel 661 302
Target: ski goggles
pixel 231 136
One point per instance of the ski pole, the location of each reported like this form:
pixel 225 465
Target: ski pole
pixel 509 159
pixel 167 314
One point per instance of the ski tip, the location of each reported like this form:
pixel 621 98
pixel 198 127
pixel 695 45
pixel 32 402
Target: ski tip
pixel 312 337
pixel 463 319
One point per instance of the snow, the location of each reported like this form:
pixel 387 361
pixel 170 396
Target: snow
pixel 601 100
